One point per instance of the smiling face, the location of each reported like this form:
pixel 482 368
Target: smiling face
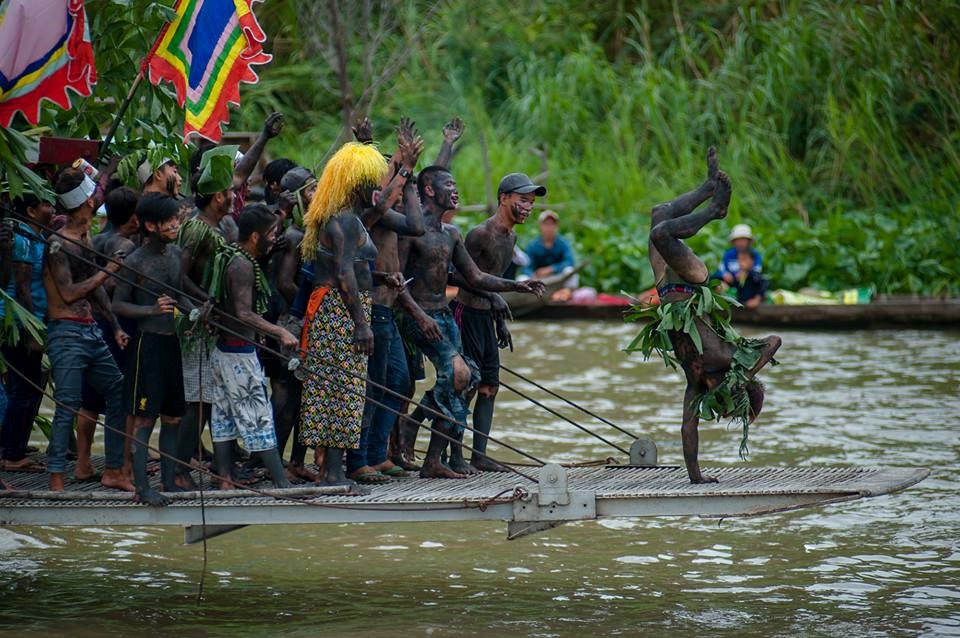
pixel 520 205
pixel 443 191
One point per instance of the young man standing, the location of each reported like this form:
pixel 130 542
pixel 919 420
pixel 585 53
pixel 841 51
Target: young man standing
pixel 76 345
pixel 481 315
pixel 27 356
pixel 199 240
pixel 241 408
pixel 426 260
pixel 154 375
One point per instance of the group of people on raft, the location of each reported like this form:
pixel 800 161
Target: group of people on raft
pixel 333 288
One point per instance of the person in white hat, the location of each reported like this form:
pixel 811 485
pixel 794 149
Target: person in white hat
pixel 741 239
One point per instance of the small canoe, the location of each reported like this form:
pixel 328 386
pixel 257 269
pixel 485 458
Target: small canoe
pixel 522 304
pixel 885 312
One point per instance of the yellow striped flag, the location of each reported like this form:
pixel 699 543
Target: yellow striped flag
pixel 206 52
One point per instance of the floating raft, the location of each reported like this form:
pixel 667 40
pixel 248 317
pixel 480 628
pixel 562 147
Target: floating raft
pixel 562 495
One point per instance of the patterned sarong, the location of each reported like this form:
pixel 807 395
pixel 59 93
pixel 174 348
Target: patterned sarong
pixel 332 408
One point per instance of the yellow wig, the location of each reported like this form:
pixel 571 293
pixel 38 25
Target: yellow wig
pixel 355 165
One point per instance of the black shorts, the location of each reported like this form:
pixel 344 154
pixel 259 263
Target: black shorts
pixel 90 399
pixel 153 384
pixel 479 336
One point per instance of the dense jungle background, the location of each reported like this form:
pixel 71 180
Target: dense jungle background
pixel 838 121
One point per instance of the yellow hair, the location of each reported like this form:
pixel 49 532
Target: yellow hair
pixel 353 166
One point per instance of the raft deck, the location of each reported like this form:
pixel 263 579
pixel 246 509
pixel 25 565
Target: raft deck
pixel 563 494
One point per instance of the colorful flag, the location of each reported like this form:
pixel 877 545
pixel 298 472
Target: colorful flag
pixel 44 50
pixel 206 51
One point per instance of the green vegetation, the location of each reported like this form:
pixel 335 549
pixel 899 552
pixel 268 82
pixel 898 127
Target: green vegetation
pixel 838 121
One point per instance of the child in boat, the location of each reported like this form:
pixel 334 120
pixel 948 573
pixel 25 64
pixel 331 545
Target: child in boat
pixel 748 284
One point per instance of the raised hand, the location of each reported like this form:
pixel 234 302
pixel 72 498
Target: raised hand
pixel 452 130
pixel 406 130
pixel 410 151
pixel 273 124
pixel 363 130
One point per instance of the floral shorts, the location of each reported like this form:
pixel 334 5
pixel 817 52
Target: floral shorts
pixel 241 408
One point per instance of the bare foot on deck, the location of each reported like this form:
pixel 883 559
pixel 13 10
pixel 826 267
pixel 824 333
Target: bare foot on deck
pixel 406 459
pixel 439 470
pixel 464 468
pixel 298 472
pixel 83 471
pixel 185 482
pixel 116 479
pixel 484 464
pixel 56 482
pixel 152 497
pixel 703 478
pixel 769 348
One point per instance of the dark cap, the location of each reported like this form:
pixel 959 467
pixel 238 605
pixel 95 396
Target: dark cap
pixel 295 179
pixel 520 183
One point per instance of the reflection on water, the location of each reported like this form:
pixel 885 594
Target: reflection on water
pixel 884 566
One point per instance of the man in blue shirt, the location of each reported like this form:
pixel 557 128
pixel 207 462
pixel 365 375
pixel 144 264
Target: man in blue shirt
pixel 549 253
pixel 26 286
pixel 741 239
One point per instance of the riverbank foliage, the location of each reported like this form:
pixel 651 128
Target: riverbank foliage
pixel 838 121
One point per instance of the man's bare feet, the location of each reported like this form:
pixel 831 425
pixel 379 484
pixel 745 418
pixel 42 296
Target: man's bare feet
pixel 116 479
pixel 406 459
pixel 713 166
pixel 152 498
pixel 56 481
pixel 301 473
pixel 703 478
pixel 83 471
pixel 484 464
pixel 436 469
pixel 721 197
pixel 464 468
pixel 185 482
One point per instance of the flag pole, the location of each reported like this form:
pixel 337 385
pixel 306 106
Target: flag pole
pixel 119 116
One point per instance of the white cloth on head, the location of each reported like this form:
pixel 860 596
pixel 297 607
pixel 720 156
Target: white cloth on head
pixel 76 197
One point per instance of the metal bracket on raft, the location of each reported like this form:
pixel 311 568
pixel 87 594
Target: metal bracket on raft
pixel 553 505
pixel 643 452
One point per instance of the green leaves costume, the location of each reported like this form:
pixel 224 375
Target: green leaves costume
pixel 217 289
pixel 713 310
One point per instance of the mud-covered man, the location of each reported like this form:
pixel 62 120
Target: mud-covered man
pixel 425 260
pixel 154 374
pixel 482 316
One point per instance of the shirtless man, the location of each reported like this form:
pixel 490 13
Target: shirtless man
pixel 154 375
pixel 426 260
pixel 75 344
pixel 297 187
pixel 241 406
pixel 387 366
pixel 124 235
pixel 199 240
pixel 164 178
pixel 482 315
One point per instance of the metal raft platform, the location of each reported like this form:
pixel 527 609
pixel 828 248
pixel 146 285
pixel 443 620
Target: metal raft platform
pixel 562 495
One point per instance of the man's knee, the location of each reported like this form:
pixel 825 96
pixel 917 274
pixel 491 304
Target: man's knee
pixel 659 234
pixel 488 390
pixel 461 374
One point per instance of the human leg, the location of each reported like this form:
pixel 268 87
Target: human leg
pixel 22 398
pixel 679 207
pixel 68 345
pixel 105 377
pixel 667 236
pixel 385 418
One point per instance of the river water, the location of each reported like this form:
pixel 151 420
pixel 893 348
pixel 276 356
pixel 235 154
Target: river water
pixel 876 567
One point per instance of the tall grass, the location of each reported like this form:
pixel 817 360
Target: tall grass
pixel 839 123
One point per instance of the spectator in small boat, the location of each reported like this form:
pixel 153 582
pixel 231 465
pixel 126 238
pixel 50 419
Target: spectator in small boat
pixel 750 286
pixel 551 254
pixel 741 238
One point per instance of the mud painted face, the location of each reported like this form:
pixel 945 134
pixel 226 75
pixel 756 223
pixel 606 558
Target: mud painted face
pixel 445 192
pixel 521 206
pixel 170 176
pixel 267 239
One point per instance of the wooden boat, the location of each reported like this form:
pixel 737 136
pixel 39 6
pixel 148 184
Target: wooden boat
pixel 885 312
pixel 523 304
